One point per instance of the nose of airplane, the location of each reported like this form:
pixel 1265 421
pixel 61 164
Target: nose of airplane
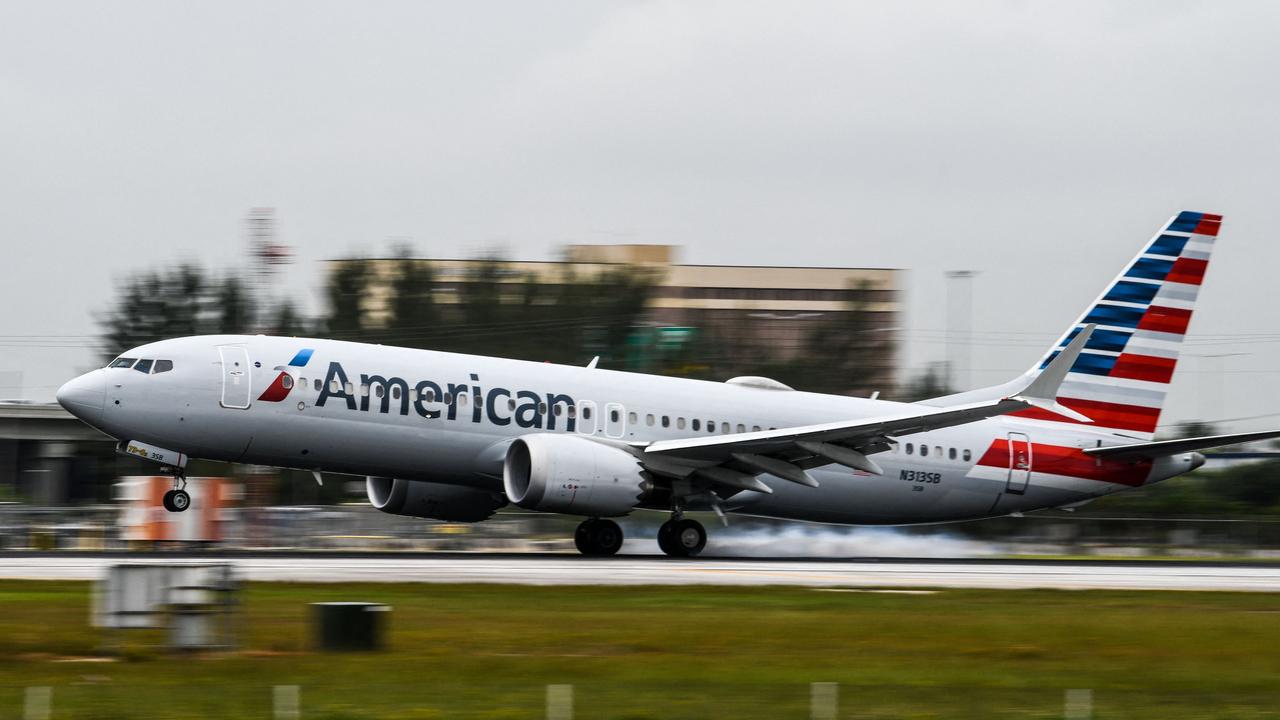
pixel 84 396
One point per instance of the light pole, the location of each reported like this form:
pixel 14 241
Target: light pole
pixel 959 330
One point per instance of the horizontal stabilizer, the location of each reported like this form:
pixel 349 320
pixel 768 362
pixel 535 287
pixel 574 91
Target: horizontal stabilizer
pixel 1164 448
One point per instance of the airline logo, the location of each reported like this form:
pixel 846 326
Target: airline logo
pixel 279 388
pixel 1121 378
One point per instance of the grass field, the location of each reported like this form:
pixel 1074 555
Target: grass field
pixel 698 652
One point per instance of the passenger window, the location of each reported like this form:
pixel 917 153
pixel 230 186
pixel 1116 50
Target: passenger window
pixel 573 411
pixel 448 398
pixel 967 456
pixel 319 384
pixel 123 362
pixel 648 419
pixel 511 404
pixel 431 396
pixel 724 428
pixel 910 448
pixel 951 454
pixel 364 390
pixel 351 389
pixel 462 400
pixel 557 409
pixel 680 423
pixel 937 450
pixel 395 392
pixel 286 381
pixel 742 428
pixel 586 413
pixel 755 428
pixel 631 418
pixel 542 407
pixel 696 424
pixel 143 366
pixel 613 416
pixel 711 426
pixel 162 366
pixel 413 394
pixel 924 451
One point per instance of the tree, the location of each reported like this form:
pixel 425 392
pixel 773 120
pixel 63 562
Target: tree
pixel 287 321
pixel 414 313
pixel 931 383
pixel 347 286
pixel 186 300
pixel 839 353
pixel 233 312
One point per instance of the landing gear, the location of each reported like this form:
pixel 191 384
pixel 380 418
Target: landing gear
pixel 682 537
pixel 598 537
pixel 177 499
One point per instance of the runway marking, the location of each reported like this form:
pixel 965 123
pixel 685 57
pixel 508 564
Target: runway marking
pixel 632 570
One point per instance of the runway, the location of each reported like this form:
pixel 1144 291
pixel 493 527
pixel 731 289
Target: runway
pixel 553 569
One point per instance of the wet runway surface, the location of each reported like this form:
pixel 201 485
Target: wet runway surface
pixel 563 569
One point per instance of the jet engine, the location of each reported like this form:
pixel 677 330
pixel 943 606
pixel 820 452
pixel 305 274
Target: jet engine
pixel 437 501
pixel 572 474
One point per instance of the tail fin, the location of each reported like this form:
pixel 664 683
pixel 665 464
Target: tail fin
pixel 1121 378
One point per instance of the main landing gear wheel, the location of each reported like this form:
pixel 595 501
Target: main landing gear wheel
pixel 682 538
pixel 176 500
pixel 598 537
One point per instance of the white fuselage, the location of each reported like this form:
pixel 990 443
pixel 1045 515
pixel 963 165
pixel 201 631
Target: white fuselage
pixel 432 416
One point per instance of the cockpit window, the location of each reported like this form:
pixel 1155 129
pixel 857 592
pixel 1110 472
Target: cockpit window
pixel 123 362
pixel 162 366
pixel 143 366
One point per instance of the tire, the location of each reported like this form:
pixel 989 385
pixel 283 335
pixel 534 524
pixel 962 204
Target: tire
pixel 180 501
pixel 688 538
pixel 582 537
pixel 167 501
pixel 606 538
pixel 666 537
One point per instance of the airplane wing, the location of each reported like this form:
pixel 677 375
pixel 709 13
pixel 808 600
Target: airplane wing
pixel 1173 447
pixel 735 460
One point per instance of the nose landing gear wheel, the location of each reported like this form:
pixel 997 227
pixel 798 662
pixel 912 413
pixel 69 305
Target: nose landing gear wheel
pixel 682 538
pixel 176 500
pixel 598 537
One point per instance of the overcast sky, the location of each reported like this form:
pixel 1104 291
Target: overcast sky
pixel 1038 143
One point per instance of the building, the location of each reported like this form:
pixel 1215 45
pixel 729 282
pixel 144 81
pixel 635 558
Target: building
pixel 45 452
pixel 756 318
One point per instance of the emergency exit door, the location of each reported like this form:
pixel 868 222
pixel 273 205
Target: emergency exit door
pixel 1019 463
pixel 235 376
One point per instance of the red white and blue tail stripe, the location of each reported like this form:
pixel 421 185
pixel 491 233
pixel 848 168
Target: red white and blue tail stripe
pixel 1121 379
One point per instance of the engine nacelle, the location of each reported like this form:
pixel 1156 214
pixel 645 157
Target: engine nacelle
pixel 437 501
pixel 571 474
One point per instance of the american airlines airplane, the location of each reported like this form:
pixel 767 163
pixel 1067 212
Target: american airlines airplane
pixel 458 437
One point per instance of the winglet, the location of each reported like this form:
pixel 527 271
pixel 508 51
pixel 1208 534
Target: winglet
pixel 1042 392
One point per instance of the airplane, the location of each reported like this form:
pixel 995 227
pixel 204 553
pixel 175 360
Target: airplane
pixel 458 437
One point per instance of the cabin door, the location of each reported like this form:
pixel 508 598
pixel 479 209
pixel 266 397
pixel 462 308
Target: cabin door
pixel 1019 463
pixel 235 376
